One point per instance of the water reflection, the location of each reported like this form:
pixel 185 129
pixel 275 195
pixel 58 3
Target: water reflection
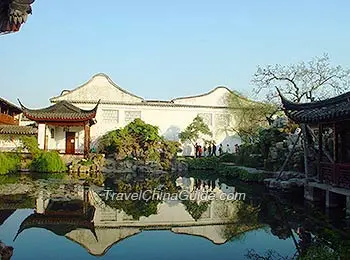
pixel 96 224
pixel 89 220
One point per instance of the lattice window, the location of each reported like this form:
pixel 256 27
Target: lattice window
pixel 131 115
pixel 222 120
pixel 110 115
pixel 207 118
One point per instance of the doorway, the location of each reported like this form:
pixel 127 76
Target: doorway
pixel 70 142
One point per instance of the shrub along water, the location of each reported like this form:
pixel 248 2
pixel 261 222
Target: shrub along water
pixel 43 161
pixel 217 167
pixel 48 162
pixel 9 162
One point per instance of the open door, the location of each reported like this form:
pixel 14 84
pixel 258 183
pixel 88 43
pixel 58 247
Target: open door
pixel 70 142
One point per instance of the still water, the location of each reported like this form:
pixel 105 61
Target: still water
pixel 89 226
pixel 39 243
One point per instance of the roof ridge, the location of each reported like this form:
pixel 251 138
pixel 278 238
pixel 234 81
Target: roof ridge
pixel 204 94
pixel 9 103
pixel 290 105
pixel 53 99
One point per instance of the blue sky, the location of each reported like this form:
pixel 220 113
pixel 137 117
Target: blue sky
pixel 162 49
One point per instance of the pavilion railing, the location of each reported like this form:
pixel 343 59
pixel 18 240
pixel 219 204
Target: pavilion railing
pixel 337 174
pixel 7 119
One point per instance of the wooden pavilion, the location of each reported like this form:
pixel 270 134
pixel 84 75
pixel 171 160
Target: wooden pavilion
pixel 9 113
pixel 326 136
pixel 63 127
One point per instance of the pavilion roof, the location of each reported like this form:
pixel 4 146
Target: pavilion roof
pixel 17 130
pixel 5 214
pixel 13 13
pixel 11 106
pixel 61 111
pixel 328 110
pixel 60 225
pixel 61 222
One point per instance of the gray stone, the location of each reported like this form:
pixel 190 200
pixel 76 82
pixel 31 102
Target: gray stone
pixel 279 145
pixel 128 177
pixel 285 185
pixel 267 181
pixel 274 184
pixel 295 182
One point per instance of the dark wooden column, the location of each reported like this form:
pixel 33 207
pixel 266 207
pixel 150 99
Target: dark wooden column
pixel 320 151
pixel 336 143
pixel 86 138
pixel 305 145
pixel 335 155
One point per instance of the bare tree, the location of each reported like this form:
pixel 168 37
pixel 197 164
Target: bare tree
pixel 304 81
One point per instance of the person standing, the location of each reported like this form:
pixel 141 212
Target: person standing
pixel 214 150
pixel 200 150
pixel 228 149
pixel 196 150
pixel 220 150
pixel 236 148
pixel 209 150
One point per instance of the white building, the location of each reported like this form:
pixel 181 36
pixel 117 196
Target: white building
pixel 118 107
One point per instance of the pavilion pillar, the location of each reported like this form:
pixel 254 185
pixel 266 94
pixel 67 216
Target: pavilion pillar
pixel 348 205
pixel 331 199
pixel 42 136
pixel 86 139
pixel 320 151
pixel 305 145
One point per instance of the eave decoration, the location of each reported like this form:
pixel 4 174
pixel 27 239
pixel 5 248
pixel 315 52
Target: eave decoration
pixel 13 13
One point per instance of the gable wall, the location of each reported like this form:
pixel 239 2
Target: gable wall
pixel 214 98
pixel 99 87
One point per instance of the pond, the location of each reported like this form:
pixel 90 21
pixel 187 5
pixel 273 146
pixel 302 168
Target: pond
pixel 89 222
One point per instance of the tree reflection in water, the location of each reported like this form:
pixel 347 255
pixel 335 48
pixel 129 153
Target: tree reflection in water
pixel 232 220
pixel 246 219
pixel 140 208
pixel 314 235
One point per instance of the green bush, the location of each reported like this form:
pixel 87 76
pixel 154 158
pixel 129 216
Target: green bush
pixel 9 163
pixel 31 144
pixel 86 162
pixel 245 156
pixel 228 171
pixel 205 163
pixel 9 178
pixel 141 141
pixel 48 162
pixel 244 175
pixel 241 174
pixel 228 157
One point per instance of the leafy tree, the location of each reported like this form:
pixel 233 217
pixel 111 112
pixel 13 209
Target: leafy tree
pixel 303 81
pixel 31 144
pixel 249 116
pixel 196 209
pixel 195 130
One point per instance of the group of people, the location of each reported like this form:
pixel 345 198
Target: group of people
pixel 210 150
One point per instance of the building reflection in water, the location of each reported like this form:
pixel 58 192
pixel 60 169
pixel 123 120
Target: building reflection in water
pixel 97 226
